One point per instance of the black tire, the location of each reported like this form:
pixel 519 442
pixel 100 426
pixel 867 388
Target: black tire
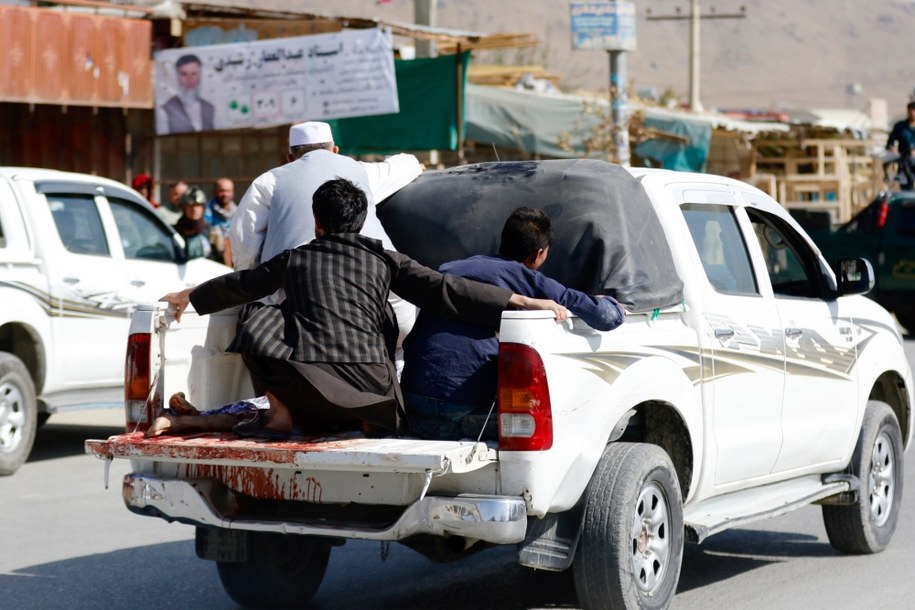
pixel 631 545
pixel 868 525
pixel 907 319
pixel 281 571
pixel 18 414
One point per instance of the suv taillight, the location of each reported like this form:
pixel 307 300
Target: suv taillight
pixel 525 414
pixel 137 383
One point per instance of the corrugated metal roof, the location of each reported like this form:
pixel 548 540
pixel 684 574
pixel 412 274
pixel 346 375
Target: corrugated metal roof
pixel 57 57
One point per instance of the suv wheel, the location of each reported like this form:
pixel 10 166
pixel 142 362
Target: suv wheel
pixel 18 414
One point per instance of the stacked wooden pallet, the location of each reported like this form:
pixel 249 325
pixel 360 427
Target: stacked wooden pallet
pixel 821 174
pixel 506 76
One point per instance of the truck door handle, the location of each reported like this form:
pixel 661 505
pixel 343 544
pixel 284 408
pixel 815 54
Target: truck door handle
pixel 793 332
pixel 137 283
pixel 71 280
pixel 724 333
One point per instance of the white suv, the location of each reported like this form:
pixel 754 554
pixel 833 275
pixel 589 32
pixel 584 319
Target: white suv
pixel 77 253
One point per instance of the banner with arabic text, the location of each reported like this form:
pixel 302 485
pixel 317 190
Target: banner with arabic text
pixel 275 82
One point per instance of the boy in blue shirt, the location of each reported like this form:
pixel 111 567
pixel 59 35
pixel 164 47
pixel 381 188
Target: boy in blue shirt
pixel 450 367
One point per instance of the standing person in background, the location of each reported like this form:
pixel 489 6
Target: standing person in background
pixel 185 111
pixel 143 184
pixel 218 215
pixel 170 209
pixel 902 140
pixel 192 226
pixel 274 213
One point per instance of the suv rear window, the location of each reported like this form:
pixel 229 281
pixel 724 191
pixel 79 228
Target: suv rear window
pixel 78 223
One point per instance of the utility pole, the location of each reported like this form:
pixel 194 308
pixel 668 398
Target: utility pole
pixel 609 26
pixel 424 13
pixel 695 16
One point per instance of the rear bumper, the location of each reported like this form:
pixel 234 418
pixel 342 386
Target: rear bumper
pixel 494 519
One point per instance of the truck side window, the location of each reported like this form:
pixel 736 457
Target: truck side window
pixel 721 248
pixel 791 265
pixel 142 237
pixel 78 223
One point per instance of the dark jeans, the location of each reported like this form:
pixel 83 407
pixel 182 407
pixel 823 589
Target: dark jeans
pixel 908 175
pixel 433 418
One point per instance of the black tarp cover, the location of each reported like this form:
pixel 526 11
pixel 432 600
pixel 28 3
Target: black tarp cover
pixel 608 239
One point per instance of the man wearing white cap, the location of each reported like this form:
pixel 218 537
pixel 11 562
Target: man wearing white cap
pixel 275 212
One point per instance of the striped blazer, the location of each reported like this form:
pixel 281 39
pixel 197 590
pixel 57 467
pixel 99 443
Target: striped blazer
pixel 336 293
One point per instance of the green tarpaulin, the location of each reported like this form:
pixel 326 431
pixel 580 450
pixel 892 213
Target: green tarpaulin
pixel 537 123
pixel 428 119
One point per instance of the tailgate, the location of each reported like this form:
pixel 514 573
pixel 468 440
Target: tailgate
pixel 343 486
pixel 352 453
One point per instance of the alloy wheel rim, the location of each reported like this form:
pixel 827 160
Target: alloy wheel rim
pixel 12 417
pixel 650 539
pixel 882 479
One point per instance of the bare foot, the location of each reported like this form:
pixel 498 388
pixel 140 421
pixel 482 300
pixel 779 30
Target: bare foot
pixel 162 425
pixel 178 424
pixel 179 404
pixel 279 417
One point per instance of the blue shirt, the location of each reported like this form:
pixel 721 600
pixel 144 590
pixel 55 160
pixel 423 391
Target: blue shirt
pixel 456 361
pixel 217 216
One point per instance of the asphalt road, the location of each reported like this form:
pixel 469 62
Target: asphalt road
pixel 67 542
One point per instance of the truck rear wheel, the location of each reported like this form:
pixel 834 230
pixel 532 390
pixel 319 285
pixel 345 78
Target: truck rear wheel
pixel 631 544
pixel 18 414
pixel 281 571
pixel 868 525
pixel 907 319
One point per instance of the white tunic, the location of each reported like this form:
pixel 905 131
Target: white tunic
pixel 250 222
pixel 275 212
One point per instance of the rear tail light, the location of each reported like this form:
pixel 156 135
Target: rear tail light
pixel 525 414
pixel 883 212
pixel 137 382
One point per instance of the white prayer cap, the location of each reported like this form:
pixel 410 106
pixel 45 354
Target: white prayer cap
pixel 310 132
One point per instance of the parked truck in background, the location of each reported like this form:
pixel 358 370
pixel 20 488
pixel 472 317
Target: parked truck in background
pixel 77 253
pixel 762 383
pixel 884 234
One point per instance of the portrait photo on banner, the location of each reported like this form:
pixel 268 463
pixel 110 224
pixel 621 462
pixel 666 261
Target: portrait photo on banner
pixel 275 82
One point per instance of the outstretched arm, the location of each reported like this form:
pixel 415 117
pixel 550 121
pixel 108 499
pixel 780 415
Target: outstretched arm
pixel 180 300
pixel 522 302
pixel 391 175
pixel 457 297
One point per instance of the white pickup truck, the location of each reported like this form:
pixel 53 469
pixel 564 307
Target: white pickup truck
pixel 77 253
pixel 767 385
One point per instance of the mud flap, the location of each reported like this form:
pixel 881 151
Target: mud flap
pixel 551 542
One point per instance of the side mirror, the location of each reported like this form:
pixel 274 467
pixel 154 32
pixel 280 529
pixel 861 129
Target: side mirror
pixel 854 275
